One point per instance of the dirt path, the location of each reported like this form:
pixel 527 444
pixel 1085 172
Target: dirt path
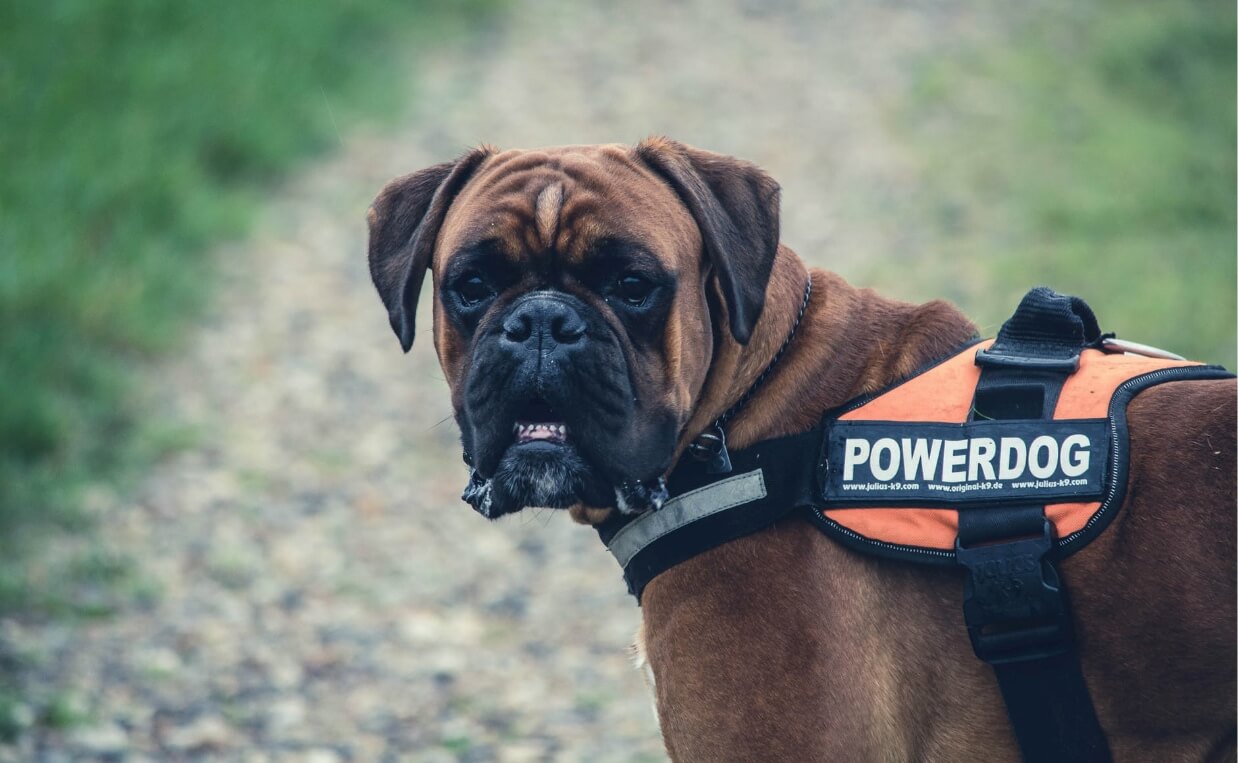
pixel 323 595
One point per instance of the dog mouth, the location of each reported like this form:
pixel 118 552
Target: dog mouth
pixel 540 431
pixel 538 422
pixel 543 465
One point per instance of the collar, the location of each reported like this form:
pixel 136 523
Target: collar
pixel 710 445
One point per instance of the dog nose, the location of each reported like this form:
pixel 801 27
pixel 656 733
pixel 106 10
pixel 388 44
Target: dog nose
pixel 544 321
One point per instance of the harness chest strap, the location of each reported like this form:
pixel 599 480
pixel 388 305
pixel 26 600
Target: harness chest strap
pixel 1016 610
pixel 1003 457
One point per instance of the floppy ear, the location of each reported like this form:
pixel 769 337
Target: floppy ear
pixel 404 222
pixel 736 207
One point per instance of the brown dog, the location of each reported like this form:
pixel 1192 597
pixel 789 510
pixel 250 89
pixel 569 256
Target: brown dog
pixel 597 307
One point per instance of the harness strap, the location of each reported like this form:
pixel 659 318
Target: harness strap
pixel 1015 606
pixel 1051 710
pixel 765 485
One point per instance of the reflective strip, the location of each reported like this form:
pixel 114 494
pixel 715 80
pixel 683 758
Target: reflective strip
pixel 684 510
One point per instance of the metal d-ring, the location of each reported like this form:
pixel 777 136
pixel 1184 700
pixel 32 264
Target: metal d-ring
pixel 710 446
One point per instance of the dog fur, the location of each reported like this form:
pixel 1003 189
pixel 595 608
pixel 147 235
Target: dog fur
pixel 783 645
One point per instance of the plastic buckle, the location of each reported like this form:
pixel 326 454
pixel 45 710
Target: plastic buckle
pixel 1013 601
pixel 990 359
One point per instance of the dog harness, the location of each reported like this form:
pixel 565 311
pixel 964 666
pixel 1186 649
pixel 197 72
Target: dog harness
pixel 1002 458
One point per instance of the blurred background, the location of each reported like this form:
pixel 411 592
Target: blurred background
pixel 229 515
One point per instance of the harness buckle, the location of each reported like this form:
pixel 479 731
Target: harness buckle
pixel 1013 601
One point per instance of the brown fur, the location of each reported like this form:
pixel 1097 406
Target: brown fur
pixel 786 646
pixel 783 645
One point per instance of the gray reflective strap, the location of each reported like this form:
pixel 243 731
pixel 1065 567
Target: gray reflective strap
pixel 684 510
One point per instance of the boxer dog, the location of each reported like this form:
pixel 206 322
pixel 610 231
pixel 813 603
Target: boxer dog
pixel 597 307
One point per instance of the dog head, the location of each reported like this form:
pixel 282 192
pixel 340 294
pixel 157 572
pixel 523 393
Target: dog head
pixel 580 295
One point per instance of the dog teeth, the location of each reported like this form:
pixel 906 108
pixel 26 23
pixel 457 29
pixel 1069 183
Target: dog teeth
pixel 526 431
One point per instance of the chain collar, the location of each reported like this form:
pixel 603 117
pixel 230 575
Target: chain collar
pixel 710 445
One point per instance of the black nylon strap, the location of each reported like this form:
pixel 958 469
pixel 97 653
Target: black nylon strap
pixel 999 522
pixel 1028 638
pixel 1051 691
pixel 789 467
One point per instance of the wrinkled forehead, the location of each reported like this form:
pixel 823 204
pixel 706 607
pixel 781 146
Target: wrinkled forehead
pixel 563 202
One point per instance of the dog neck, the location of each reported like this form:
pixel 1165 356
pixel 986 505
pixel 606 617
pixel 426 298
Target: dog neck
pixel 849 342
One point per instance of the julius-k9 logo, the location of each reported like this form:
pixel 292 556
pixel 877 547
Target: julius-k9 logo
pixel 919 463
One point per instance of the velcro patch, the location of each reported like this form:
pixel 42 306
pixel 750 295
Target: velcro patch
pixel 892 463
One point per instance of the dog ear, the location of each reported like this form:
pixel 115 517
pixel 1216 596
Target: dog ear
pixel 404 223
pixel 735 204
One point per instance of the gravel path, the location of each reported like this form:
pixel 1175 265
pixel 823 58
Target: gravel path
pixel 321 594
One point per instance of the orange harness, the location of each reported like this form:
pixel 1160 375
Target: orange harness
pixel 944 394
pixel 1002 459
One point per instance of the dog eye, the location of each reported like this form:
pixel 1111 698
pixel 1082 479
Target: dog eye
pixel 472 289
pixel 633 289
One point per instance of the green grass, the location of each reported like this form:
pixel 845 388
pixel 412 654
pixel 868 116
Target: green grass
pixel 1091 149
pixel 136 133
